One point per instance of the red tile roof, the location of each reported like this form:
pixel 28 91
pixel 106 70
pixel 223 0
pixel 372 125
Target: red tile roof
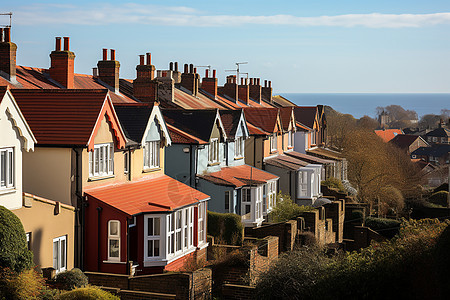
pixel 239 176
pixel 308 158
pixel 158 194
pixel 286 117
pixel 187 101
pixel 286 162
pixel 253 130
pixel 388 134
pixel 67 117
pixel 263 118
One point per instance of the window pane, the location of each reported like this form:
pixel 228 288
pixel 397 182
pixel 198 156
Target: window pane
pixel 55 255
pixel 178 240
pixel 150 227
pixel 63 253
pixel 11 168
pixel 97 158
pixel 247 209
pixel 113 228
pixel 156 229
pixel 3 168
pixel 114 248
pixel 227 201
pixel 111 159
pixel 150 248
pixel 156 248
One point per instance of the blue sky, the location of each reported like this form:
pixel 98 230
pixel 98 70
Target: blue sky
pixel 302 46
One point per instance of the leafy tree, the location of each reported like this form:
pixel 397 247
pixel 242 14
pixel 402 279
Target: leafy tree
pixel 286 209
pixel 367 122
pixel 14 253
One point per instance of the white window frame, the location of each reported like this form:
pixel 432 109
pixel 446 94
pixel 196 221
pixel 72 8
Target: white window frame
pixel 272 192
pixel 126 162
pixel 178 218
pixel 303 184
pixel 246 202
pixel 101 160
pixel 113 237
pixel 60 253
pixel 273 142
pixel 7 168
pixel 313 137
pixel 290 139
pixel 153 237
pixel 201 223
pixel 170 234
pixel 152 154
pixel 239 147
pixel 213 151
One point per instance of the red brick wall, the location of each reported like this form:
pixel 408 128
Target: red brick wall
pixel 238 292
pixel 8 58
pixel 285 231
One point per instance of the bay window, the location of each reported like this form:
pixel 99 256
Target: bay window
pixel 60 253
pixel 201 223
pixel 246 206
pixel 6 168
pixel 101 160
pixel 151 154
pixel 153 237
pixel 213 154
pixel 114 240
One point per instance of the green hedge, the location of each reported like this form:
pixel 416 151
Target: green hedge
pixel 386 227
pixel 334 183
pixel 286 209
pixel 439 198
pixel 68 280
pixel 226 228
pixel 14 253
pixel 87 293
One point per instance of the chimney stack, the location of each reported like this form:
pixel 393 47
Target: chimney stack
pixel 190 79
pixel 176 75
pixel 230 88
pixel 209 84
pixel 166 86
pixel 255 90
pixel 8 52
pixel 108 70
pixel 243 91
pixel 62 64
pixel 145 88
pixel 266 91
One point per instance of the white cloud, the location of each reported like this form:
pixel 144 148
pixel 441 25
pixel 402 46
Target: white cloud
pixel 131 13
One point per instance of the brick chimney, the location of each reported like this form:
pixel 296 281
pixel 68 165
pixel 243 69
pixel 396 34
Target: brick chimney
pixel 230 88
pixel 108 70
pixel 209 84
pixel 266 91
pixel 62 64
pixel 243 90
pixel 176 75
pixel 166 85
pixel 190 80
pixel 8 52
pixel 255 89
pixel 144 87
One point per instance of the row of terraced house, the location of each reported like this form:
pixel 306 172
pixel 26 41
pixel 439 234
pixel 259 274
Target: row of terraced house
pixel 114 175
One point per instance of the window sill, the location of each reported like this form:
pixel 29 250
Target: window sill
pixel 96 178
pixel 214 163
pixel 290 147
pixel 239 158
pixel 114 262
pixel 7 190
pixel 150 170
pixel 273 151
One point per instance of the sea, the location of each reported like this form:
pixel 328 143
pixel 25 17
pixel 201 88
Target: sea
pixel 360 104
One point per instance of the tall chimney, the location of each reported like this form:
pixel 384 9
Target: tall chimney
pixel 190 79
pixel 62 64
pixel 176 75
pixel 230 88
pixel 255 90
pixel 166 86
pixel 266 91
pixel 209 84
pixel 145 88
pixel 108 70
pixel 8 52
pixel 243 91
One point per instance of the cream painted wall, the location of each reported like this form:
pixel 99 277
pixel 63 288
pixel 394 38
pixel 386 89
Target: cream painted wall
pixel 47 173
pixel 44 225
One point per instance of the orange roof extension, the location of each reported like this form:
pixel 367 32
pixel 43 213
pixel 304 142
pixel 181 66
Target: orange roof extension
pixel 388 134
pixel 67 116
pixel 159 194
pixel 239 176
pixel 263 118
pixel 38 78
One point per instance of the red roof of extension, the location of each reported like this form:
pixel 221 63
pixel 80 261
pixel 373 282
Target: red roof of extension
pixel 302 126
pixel 38 78
pixel 286 162
pixel 239 176
pixel 285 116
pixel 253 130
pixel 227 103
pixel 388 134
pixel 180 137
pixel 67 117
pixel 158 194
pixel 263 118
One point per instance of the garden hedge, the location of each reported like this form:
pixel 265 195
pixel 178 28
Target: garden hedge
pixel 226 228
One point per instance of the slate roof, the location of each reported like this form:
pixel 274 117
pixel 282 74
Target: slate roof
pixel 134 119
pixel 282 101
pixel 38 78
pixel 286 162
pixel 439 132
pixel 306 115
pixel 160 194
pixel 239 176
pixel 263 118
pixel 230 121
pixel 437 150
pixel 60 116
pixel 285 116
pixel 308 158
pixel 403 141
pixel 198 123
pixel 388 134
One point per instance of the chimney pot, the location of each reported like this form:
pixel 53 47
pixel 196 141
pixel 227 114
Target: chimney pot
pixel 251 81
pixel 191 68
pixel 206 73
pixel 113 54
pixel 265 83
pixel 214 73
pixel 242 81
pixel 58 44
pixel 176 66
pixel 270 83
pixel 195 70
pixel 141 60
pixel 1 35
pixel 246 81
pixel 7 32
pixel 149 58
pixel 105 54
pixel 258 81
pixel 95 72
pixel 66 43
pixel 171 66
pixel 186 68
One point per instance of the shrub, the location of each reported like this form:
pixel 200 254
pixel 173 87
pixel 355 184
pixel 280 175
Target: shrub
pixel 26 285
pixel 356 216
pixel 386 227
pixel 334 183
pixel 87 293
pixel 68 280
pixel 439 198
pixel 14 253
pixel 286 210
pixel 226 228
pixel 391 201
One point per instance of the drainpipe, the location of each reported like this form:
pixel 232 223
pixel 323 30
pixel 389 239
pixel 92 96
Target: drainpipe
pixel 129 163
pixel 195 167
pixel 129 266
pixel 191 184
pixel 79 214
pixel 99 252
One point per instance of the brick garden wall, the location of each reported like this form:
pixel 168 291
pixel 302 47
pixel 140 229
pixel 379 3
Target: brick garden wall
pixel 285 231
pixel 237 292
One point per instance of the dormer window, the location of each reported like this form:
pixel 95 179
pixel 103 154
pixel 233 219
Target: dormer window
pixel 151 154
pixel 213 154
pixel 239 147
pixel 6 168
pixel 273 142
pixel 101 160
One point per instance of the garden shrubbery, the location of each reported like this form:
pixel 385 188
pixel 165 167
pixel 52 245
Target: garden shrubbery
pixel 334 183
pixel 386 227
pixel 439 198
pixel 87 293
pixel 286 209
pixel 226 228
pixel 68 280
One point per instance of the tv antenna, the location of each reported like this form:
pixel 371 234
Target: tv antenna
pixel 10 17
pixel 208 67
pixel 237 70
